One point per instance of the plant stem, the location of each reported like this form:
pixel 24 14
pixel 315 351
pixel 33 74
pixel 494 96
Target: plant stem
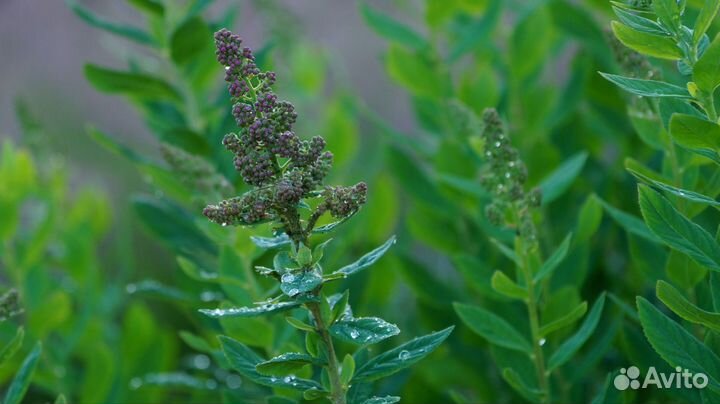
pixel 337 391
pixel 532 307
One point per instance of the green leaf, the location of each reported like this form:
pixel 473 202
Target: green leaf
pixel 347 370
pixel 564 321
pixel 189 40
pixel 415 72
pixel 562 177
pixel 557 257
pixel 299 324
pixel 367 259
pixel 706 72
pixel 683 308
pixel 516 382
pixel 271 242
pixel 391 29
pixel 668 13
pixel 639 23
pixel 662 47
pixel 12 347
pixel 504 285
pixel 21 381
pixel 125 31
pixel 683 193
pixel 244 360
pixel 568 348
pixel 492 327
pixel 683 270
pixel 694 133
pixel 285 364
pixel 382 400
pixel 293 284
pixel 150 6
pixel 589 218
pixel 705 19
pixel 647 88
pixel 630 223
pixel 676 345
pixel 677 231
pixel 340 307
pixel 130 84
pixel 265 308
pixel 176 226
pixel 401 357
pixel 363 330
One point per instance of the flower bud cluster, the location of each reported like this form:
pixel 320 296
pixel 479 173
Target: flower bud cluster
pixel 268 154
pixel 344 201
pixel 9 305
pixel 195 172
pixel 505 178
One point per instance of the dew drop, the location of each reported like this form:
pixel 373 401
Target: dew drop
pixel 354 334
pixel 404 355
pixel 286 278
pixel 542 341
pixel 135 383
pixel 233 382
pixel 223 224
pixel 293 292
pixel 201 361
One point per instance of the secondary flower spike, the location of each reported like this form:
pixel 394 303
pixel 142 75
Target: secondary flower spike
pixel 282 168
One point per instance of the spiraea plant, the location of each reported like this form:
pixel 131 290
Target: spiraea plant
pixel 10 307
pixel 531 373
pixel 286 174
pixel 674 197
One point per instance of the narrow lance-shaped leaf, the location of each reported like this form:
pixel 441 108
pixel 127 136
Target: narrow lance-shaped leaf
pixel 704 19
pixel 706 72
pixel 695 133
pixel 568 348
pixel 266 308
pixel 564 321
pixel 285 364
pixel 363 330
pixel 630 223
pixel 401 357
pixel 382 400
pixel 549 266
pixel 647 88
pixel 132 33
pixel 492 327
pixel 504 285
pixel 391 29
pixel 131 84
pixel 12 347
pixel 21 381
pixel 244 360
pixel 683 308
pixel 677 231
pixel 639 23
pixel 663 47
pixel 367 259
pixel 271 242
pixel 683 193
pixel 516 382
pixel 676 345
pixel 555 184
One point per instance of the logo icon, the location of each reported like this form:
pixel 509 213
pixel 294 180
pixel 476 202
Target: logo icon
pixel 627 378
pixel 682 378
